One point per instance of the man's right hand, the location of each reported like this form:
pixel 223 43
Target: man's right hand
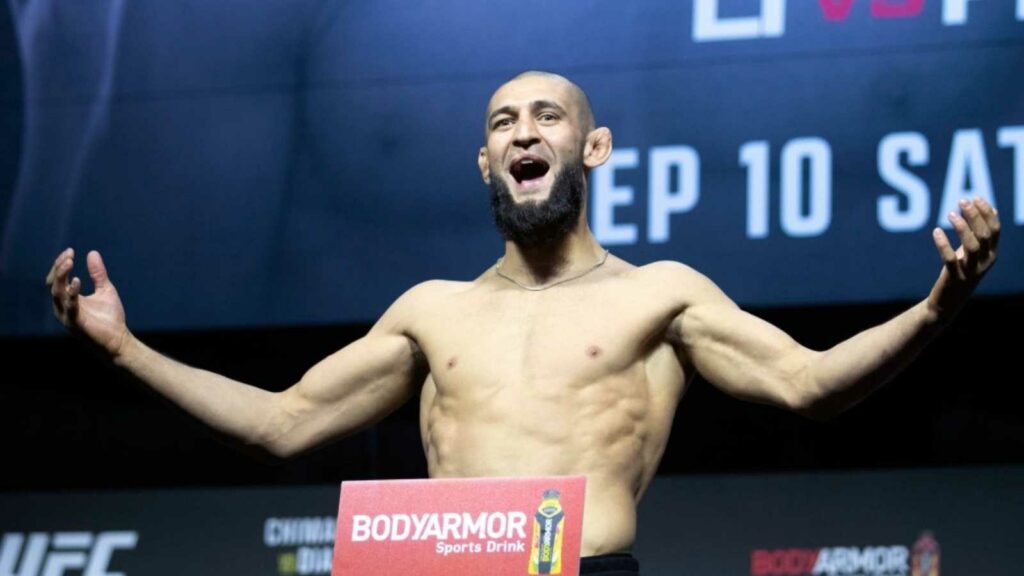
pixel 100 316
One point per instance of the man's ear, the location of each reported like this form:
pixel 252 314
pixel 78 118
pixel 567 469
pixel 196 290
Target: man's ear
pixel 485 166
pixel 597 147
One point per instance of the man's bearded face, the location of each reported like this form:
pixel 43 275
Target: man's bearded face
pixel 544 222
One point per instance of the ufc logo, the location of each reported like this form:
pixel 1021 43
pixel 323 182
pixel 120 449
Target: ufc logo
pixel 42 555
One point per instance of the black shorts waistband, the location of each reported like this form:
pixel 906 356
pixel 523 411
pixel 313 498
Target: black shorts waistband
pixel 618 564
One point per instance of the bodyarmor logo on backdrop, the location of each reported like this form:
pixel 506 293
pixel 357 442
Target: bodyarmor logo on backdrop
pixel 61 553
pixel 891 560
pixel 769 16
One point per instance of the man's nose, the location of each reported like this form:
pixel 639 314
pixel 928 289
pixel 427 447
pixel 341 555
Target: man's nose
pixel 526 133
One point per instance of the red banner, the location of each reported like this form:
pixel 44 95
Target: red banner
pixel 494 526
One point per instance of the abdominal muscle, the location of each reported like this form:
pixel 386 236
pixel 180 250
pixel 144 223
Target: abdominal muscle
pixel 612 431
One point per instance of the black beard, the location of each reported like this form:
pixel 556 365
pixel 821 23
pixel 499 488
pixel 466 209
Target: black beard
pixel 542 223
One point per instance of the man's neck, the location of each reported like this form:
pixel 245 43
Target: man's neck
pixel 543 264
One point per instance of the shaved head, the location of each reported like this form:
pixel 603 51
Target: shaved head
pixel 540 140
pixel 585 116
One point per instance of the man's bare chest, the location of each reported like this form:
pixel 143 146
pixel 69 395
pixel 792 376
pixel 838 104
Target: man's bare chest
pixel 503 337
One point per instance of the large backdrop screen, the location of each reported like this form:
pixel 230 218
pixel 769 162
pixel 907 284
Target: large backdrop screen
pixel 246 163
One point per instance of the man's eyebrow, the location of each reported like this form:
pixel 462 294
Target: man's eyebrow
pixel 499 111
pixel 535 105
pixel 541 104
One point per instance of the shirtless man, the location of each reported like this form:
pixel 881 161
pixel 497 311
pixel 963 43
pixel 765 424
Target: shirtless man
pixel 561 359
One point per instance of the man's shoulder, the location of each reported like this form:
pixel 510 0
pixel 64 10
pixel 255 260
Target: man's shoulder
pixel 623 269
pixel 429 290
pixel 405 311
pixel 657 273
pixel 676 280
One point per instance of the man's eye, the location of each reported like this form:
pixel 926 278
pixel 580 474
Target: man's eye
pixel 548 117
pixel 503 123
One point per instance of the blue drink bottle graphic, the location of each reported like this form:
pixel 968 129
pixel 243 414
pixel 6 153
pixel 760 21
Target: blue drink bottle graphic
pixel 548 524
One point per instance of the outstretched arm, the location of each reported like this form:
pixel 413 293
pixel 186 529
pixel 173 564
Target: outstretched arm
pixel 751 359
pixel 346 391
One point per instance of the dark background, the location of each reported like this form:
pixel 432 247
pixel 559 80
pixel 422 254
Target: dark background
pixel 322 154
pixel 265 177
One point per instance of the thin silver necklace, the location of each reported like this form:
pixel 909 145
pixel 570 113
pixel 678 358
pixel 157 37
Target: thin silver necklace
pixel 497 269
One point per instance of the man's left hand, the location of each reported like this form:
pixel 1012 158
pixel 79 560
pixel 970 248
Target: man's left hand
pixel 978 228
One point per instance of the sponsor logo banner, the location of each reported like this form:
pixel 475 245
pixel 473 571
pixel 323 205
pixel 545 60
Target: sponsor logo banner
pixel 495 526
pixel 41 553
pixel 888 560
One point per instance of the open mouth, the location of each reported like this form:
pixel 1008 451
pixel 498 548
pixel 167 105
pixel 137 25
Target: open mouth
pixel 526 169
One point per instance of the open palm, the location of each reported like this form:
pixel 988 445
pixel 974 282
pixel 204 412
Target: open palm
pixel 99 316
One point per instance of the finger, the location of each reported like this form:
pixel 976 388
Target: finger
pixel 70 300
pixel 97 270
pixel 978 226
pixel 59 288
pixel 946 251
pixel 991 217
pixel 52 273
pixel 74 288
pixel 60 277
pixel 967 240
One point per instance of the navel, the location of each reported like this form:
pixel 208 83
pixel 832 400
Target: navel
pixel 593 351
pixel 452 362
